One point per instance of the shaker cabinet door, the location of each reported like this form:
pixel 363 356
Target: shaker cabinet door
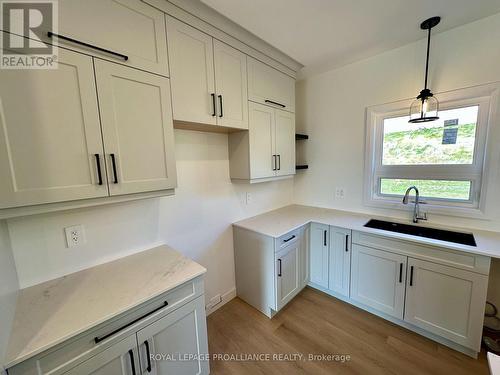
pixel 50 134
pixel 137 129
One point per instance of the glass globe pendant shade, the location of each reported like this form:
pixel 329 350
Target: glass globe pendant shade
pixel 424 108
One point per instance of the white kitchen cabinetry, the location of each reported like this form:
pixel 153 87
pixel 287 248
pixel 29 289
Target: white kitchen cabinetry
pixel 269 86
pixel 128 27
pixel 378 279
pixel 318 250
pixel 50 135
pixel 182 336
pixel 339 264
pixel 137 129
pixel 446 301
pixel 287 272
pixel 267 150
pixel 119 359
pixel 269 271
pixel 209 83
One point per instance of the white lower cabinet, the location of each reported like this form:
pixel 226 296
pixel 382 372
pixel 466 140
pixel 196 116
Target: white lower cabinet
pixel 339 263
pixel 446 301
pixel 287 272
pixel 176 344
pixel 377 279
pixel 119 359
pixel 318 250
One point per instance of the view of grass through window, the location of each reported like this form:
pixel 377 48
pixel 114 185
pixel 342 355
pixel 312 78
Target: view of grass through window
pixel 447 141
pixel 459 190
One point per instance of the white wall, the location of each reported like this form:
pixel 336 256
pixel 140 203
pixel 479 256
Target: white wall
pixel 8 289
pixel 196 220
pixel 331 108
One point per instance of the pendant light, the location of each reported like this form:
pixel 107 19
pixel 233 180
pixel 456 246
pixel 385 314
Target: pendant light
pixel 425 107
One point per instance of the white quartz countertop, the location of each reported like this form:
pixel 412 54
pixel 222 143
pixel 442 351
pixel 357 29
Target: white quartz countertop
pixel 281 221
pixel 50 313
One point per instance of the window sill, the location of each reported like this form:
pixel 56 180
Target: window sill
pixel 466 212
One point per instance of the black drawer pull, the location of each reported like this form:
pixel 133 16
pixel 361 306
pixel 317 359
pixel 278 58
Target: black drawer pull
pixel 346 242
pixel 411 276
pixel 99 174
pixel 289 239
pixel 400 272
pixel 279 162
pixel 275 103
pixel 324 238
pixel 274 162
pixel 113 164
pixel 99 339
pixel 279 269
pixel 50 34
pixel 132 362
pixel 148 354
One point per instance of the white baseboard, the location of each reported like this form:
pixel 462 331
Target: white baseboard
pixel 225 298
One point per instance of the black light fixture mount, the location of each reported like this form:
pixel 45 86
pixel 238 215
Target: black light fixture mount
pixel 425 107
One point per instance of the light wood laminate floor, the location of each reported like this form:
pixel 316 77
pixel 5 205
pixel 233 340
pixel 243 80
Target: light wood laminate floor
pixel 319 324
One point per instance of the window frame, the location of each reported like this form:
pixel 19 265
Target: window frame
pixel 482 96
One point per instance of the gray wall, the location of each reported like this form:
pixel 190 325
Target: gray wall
pixel 8 289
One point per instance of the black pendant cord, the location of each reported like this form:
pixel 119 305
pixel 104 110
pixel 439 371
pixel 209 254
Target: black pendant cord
pixel 427 59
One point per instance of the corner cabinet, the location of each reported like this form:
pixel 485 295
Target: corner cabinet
pixel 339 262
pixel 267 150
pixel 318 249
pixel 91 135
pixel 209 78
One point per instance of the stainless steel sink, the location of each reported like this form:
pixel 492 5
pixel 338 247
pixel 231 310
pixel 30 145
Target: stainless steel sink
pixel 436 234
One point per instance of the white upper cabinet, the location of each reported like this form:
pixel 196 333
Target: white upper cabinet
pixel 209 78
pixel 128 27
pixel 446 301
pixel 285 143
pixel 137 129
pixel 267 150
pixel 269 86
pixel 192 72
pixel 50 134
pixel 231 86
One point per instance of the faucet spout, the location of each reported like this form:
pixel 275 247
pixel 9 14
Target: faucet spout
pixel 416 208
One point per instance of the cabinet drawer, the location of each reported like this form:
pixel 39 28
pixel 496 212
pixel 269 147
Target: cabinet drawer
pixel 138 31
pixel 74 351
pixel 289 238
pixel 457 259
pixel 269 86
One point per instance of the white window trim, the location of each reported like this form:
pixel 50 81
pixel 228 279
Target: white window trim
pixel 486 97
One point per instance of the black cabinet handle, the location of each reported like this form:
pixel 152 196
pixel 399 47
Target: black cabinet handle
pixel 291 238
pixel 275 103
pixel 279 269
pixel 411 276
pixel 113 164
pixel 132 362
pixel 346 242
pixel 400 272
pixel 116 54
pixel 220 103
pixel 274 162
pixel 279 162
pixel 148 354
pixel 99 174
pixel 324 237
pixel 99 339
pixel 214 113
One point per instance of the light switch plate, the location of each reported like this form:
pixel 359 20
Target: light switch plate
pixel 339 193
pixel 75 235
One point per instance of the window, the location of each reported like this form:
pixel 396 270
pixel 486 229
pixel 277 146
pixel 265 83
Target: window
pixel 443 159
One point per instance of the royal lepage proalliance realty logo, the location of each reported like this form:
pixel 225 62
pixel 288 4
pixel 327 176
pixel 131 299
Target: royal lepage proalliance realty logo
pixel 24 25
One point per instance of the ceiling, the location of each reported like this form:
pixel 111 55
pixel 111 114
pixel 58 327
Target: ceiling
pixel 323 34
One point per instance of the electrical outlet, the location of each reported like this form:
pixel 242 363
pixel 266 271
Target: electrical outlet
pixel 248 198
pixel 339 193
pixel 75 235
